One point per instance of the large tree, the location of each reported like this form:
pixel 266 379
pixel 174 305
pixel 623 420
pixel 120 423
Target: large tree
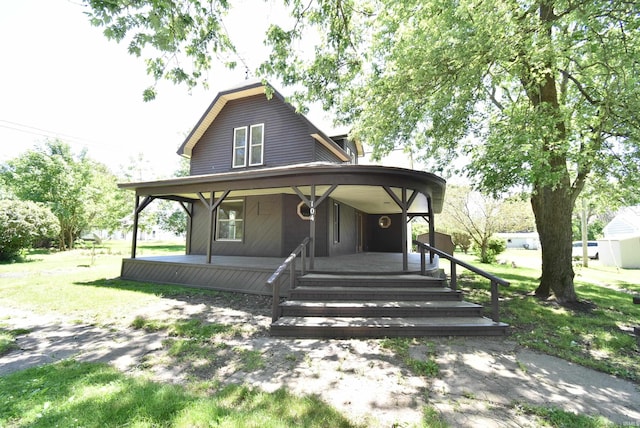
pixel 536 94
pixel 80 192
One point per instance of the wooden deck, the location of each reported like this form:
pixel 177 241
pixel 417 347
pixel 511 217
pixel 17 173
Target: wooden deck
pixel 249 274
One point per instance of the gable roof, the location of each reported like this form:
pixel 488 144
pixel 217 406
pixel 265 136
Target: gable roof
pixel 248 89
pixel 625 223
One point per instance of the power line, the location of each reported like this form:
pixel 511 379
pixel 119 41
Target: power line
pixel 33 130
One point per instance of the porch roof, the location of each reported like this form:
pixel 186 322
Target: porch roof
pixel 360 186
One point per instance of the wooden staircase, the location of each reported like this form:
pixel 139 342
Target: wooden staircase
pixel 363 305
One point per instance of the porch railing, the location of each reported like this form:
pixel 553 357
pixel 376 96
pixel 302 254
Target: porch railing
pixel 453 280
pixel 275 280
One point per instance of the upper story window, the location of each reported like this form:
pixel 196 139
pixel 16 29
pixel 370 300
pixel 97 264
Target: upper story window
pixel 248 146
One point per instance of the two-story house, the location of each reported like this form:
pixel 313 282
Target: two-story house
pixel 263 180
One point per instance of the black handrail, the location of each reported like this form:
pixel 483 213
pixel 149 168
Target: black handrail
pixel 453 281
pixel 274 280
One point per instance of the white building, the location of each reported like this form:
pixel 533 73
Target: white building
pixel 620 246
pixel 525 240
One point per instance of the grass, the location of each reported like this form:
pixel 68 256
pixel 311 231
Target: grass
pixel 423 366
pixel 597 333
pixel 554 417
pixel 79 284
pixel 96 395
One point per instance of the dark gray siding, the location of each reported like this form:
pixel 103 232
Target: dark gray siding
pixel 262 230
pixel 296 229
pixel 199 229
pixel 384 240
pixel 324 155
pixel 287 136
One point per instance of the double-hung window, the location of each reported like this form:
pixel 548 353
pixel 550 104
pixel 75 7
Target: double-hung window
pixel 240 147
pixel 230 225
pixel 248 145
pixel 257 144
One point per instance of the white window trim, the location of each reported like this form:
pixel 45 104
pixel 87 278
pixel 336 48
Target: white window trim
pixel 251 145
pixel 218 220
pixel 235 147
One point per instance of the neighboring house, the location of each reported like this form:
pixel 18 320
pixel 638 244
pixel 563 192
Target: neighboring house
pixel 525 240
pixel 263 178
pixel 620 246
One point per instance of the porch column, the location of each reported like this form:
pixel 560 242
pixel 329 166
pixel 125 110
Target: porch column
pixel 404 205
pixel 312 227
pixel 139 207
pixel 405 251
pixel 212 204
pixel 189 212
pixel 136 213
pixel 432 227
pixel 312 203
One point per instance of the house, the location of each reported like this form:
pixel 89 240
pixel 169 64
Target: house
pixel 620 246
pixel 263 179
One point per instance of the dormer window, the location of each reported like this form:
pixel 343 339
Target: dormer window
pixel 251 140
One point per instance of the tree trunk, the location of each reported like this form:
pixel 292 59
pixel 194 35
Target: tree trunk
pixel 552 207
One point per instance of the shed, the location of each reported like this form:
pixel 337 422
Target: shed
pixel 620 246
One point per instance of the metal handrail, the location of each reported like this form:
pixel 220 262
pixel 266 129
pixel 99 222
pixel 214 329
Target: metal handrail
pixel 495 281
pixel 275 279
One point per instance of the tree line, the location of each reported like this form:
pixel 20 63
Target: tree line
pixel 50 196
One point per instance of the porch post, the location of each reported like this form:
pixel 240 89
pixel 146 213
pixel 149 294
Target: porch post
pixel 136 213
pixel 212 204
pixel 312 227
pixel 210 234
pixel 432 227
pixel 312 203
pixel 405 251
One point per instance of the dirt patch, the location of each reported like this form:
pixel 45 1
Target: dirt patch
pixel 481 380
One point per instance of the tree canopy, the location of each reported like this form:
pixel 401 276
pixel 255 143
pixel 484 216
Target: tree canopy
pixel 537 95
pixel 80 192
pixel 22 224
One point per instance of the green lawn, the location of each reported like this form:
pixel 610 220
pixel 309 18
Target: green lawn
pixel 597 333
pixel 82 284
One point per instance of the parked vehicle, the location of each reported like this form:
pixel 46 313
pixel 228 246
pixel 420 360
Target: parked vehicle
pixel 592 250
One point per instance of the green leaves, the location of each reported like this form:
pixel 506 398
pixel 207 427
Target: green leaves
pixel 181 36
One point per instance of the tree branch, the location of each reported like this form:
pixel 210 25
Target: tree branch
pixel 581 88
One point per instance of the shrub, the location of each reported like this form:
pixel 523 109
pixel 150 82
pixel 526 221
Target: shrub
pixel 494 247
pixel 22 223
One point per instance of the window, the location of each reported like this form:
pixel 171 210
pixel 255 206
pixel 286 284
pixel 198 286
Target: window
pixel 351 156
pixel 230 225
pixel 239 147
pixel 248 146
pixel 257 143
pixel 336 223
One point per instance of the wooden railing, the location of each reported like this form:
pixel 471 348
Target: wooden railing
pixel 275 279
pixel 453 280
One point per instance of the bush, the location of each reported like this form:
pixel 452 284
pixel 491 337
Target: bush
pixel 22 223
pixel 494 247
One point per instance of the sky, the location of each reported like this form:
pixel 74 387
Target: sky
pixel 61 78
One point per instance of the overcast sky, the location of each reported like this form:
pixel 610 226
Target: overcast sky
pixel 60 77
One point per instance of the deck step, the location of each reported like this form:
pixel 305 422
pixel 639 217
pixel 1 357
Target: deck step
pixel 364 280
pixel 316 293
pixel 360 308
pixel 379 327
